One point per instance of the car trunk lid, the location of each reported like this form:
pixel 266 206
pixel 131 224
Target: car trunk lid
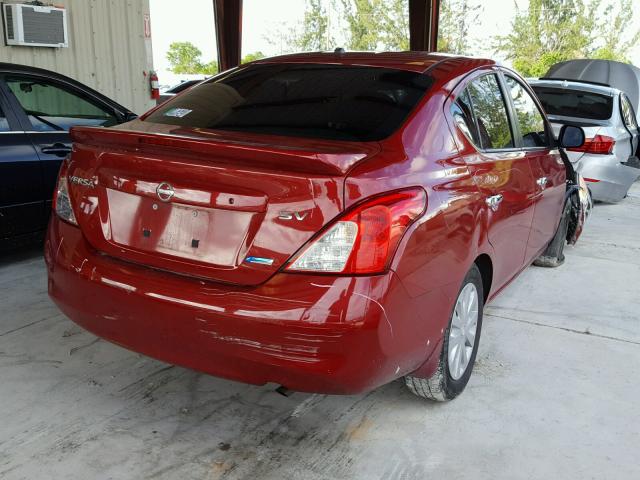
pixel 224 207
pixel 591 129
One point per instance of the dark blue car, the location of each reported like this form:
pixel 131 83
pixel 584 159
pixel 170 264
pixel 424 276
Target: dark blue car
pixel 37 108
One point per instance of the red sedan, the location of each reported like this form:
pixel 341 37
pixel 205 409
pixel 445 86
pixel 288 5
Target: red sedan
pixel 327 222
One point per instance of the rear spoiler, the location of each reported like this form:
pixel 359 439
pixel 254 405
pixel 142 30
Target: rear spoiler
pixel 574 123
pixel 576 81
pixel 311 157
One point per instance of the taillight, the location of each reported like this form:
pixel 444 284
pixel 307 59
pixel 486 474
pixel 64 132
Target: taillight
pixel 600 145
pixel 364 239
pixel 61 200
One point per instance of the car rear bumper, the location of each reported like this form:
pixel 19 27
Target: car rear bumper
pixel 309 333
pixel 608 179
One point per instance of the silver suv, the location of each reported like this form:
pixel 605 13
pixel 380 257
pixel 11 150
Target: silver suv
pixel 608 160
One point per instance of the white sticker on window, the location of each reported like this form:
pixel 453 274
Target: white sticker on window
pixel 177 112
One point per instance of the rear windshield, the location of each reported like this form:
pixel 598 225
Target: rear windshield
pixel 337 102
pixel 575 103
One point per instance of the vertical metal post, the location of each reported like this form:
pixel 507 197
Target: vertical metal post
pixel 424 17
pixel 228 23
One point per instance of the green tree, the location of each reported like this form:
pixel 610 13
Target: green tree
pixel 552 31
pixel 455 18
pixel 314 34
pixel 378 24
pixel 210 68
pixel 616 23
pixel 364 21
pixel 394 22
pixel 185 57
pixel 251 57
pixel 547 32
pixel 370 24
pixel 374 24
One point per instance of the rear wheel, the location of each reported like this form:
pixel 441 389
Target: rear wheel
pixel 460 345
pixel 553 256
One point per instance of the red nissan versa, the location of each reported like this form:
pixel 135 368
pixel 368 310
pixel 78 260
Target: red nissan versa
pixel 327 222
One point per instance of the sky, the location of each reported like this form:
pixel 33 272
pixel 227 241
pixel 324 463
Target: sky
pixel 265 22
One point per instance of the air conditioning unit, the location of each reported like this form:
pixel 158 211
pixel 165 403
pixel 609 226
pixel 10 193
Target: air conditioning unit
pixel 34 25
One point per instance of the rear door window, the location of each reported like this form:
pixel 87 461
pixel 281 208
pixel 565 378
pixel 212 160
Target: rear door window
pixel 575 103
pixel 337 102
pixel 462 112
pixel 489 107
pixel 50 107
pixel 532 127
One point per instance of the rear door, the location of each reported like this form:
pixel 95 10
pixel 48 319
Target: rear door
pixel 533 136
pixel 48 109
pixel 500 171
pixel 21 208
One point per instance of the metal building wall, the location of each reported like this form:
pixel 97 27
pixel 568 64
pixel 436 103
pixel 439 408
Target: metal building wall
pixel 107 50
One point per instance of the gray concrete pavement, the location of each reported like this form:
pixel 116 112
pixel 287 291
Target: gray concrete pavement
pixel 554 394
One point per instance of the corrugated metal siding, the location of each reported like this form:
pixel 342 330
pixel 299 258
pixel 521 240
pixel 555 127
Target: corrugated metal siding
pixel 107 50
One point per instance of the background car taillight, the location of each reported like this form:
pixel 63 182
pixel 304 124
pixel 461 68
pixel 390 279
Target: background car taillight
pixel 61 200
pixel 600 145
pixel 364 239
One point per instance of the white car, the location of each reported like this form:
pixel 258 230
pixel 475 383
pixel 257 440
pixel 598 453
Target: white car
pixel 608 160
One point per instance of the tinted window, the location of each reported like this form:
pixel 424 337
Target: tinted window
pixel 530 120
pixel 491 113
pixel 575 103
pixel 4 124
pixel 52 108
pixel 463 115
pixel 318 101
pixel 628 115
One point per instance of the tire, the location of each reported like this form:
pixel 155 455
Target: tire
pixel 443 386
pixel 553 256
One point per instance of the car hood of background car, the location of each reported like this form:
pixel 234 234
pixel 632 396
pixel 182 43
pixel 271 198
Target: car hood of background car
pixel 622 76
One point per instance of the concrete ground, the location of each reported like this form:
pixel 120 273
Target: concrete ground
pixel 555 392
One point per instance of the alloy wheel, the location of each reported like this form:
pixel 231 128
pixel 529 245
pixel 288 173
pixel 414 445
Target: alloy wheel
pixel 462 334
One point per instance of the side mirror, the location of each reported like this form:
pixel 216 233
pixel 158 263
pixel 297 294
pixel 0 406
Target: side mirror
pixel 571 136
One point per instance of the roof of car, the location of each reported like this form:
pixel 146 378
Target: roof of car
pixel 18 68
pixel 574 85
pixel 414 61
pixel 183 85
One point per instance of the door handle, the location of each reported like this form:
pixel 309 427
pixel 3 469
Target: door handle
pixel 494 201
pixel 542 182
pixel 59 149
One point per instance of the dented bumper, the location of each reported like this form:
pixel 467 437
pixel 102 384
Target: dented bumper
pixel 608 179
pixel 310 333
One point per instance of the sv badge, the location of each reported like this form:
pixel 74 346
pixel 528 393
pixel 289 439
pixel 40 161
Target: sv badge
pixel 299 216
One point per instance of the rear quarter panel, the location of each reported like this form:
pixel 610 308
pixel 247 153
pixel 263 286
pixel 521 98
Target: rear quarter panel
pixel 438 250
